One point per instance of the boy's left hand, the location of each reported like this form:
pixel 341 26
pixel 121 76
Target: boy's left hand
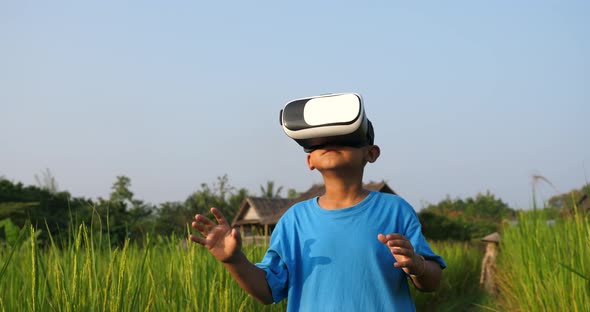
pixel 403 251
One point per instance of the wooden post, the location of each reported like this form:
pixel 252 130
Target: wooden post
pixel 488 265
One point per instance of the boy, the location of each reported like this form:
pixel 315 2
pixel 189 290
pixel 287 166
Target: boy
pixel 348 250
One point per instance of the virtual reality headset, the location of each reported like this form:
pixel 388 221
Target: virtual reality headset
pixel 332 119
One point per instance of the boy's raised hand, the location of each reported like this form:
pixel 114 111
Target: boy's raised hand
pixel 220 239
pixel 401 248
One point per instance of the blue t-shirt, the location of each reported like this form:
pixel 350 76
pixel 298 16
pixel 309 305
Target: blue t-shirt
pixel 331 260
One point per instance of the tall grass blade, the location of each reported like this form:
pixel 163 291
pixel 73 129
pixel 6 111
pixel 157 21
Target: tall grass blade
pixel 574 271
pixel 13 248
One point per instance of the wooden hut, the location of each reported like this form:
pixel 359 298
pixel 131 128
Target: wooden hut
pixel 257 215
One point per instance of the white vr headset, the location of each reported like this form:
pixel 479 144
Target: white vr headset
pixel 333 119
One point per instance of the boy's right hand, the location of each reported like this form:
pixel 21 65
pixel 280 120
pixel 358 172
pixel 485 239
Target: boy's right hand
pixel 220 239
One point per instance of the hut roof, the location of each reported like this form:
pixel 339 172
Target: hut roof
pixel 259 210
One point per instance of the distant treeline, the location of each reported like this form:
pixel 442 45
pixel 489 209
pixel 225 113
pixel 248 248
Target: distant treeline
pixel 123 216
pixel 120 216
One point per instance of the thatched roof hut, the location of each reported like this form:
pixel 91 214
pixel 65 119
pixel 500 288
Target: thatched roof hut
pixel 260 211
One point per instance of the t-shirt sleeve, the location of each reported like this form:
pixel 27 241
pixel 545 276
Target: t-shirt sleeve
pixel 277 273
pixel 421 246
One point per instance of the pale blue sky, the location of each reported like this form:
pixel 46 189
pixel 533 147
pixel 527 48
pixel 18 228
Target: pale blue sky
pixel 466 96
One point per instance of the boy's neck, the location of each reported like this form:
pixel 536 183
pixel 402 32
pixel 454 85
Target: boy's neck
pixel 342 193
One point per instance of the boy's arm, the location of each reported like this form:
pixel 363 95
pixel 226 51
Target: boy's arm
pixel 425 274
pixel 250 277
pixel 225 244
pixel 428 278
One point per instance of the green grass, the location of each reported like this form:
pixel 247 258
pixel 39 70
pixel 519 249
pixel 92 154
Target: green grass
pixel 459 289
pixel 545 267
pixel 541 268
pixel 167 275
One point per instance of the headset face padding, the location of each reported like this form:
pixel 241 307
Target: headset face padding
pixel 337 119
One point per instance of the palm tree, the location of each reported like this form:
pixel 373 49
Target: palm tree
pixel 269 191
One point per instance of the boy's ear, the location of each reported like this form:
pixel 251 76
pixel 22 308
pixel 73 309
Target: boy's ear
pixel 373 153
pixel 309 162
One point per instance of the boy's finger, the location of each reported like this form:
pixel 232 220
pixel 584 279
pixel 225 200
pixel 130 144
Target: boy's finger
pixel 395 236
pixel 402 264
pixel 204 220
pixel 201 228
pixel 219 216
pixel 235 233
pixel 402 252
pixel 197 239
pixel 399 243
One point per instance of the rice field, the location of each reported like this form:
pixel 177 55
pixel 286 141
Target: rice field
pixel 167 275
pixel 542 267
pixel 459 289
pixel 545 266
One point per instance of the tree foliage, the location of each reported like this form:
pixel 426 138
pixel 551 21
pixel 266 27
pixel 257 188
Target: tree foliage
pixel 292 194
pixel 565 203
pixel 124 215
pixel 269 191
pixel 481 207
pixel 464 219
pixel 121 216
pixel 175 217
pixel 43 208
